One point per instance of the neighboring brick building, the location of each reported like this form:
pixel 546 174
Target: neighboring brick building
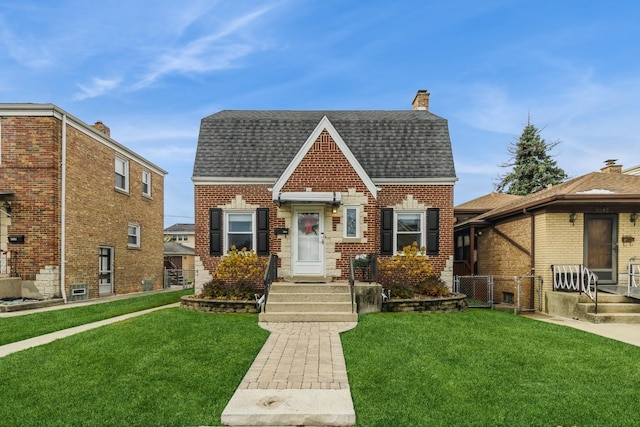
pixel 588 221
pixel 314 187
pixel 84 210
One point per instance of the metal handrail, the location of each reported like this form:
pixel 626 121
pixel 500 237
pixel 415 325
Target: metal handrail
pixel 352 283
pixel 578 278
pixel 270 274
pixel 633 274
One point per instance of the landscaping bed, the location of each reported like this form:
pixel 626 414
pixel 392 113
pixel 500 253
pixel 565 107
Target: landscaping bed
pixel 217 306
pixel 447 304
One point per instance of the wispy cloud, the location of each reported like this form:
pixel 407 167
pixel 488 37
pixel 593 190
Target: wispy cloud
pixel 97 87
pixel 208 53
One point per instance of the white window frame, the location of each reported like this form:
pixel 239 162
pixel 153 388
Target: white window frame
pixel 423 231
pixel 136 233
pixel 125 172
pixel 347 208
pixel 226 239
pixel 146 180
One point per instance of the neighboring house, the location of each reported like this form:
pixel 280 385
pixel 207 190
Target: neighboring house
pixel 181 233
pixel 316 187
pixel 465 242
pixel 83 215
pixel 588 221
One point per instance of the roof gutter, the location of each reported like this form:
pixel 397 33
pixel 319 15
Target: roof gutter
pixel 63 210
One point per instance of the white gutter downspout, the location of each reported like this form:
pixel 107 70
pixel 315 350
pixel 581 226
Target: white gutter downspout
pixel 63 210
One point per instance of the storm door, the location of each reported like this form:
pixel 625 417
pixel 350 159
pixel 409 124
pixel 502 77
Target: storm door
pixel 308 241
pixel 600 246
pixel 105 273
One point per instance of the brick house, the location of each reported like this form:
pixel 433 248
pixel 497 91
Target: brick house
pixel 83 215
pixel 586 222
pixel 314 187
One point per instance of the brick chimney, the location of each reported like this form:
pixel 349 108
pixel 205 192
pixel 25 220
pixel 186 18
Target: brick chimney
pixel 421 101
pixel 611 167
pixel 102 128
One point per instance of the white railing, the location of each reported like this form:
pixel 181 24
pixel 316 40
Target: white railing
pixel 576 278
pixel 633 275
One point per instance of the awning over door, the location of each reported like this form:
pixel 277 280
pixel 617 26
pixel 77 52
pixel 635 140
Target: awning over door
pixel 332 197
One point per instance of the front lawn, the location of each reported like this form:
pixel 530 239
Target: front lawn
pixel 169 368
pixel 487 368
pixel 26 326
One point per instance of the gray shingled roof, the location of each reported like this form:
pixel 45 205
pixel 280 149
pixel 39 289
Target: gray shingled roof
pixel 261 144
pixel 180 228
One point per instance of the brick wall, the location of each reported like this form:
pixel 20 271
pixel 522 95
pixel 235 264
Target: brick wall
pixel 30 167
pixel 96 214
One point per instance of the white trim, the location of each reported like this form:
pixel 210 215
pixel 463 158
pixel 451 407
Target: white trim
pixel 51 110
pixel 307 197
pixel 138 235
pixel 423 227
pixel 415 181
pixel 225 237
pixel 148 174
pixel 325 123
pixel 212 180
pixel 126 174
pixel 345 208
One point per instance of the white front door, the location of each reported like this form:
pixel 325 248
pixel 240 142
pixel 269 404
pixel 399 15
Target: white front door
pixel 105 273
pixel 308 241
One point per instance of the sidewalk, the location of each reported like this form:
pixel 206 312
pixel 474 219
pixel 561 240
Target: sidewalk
pixel 298 378
pixel 627 333
pixel 45 339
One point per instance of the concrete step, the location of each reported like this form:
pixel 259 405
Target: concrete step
pixel 606 298
pixel 310 297
pixel 612 307
pixel 308 317
pixel 308 307
pixel 286 287
pixel 627 318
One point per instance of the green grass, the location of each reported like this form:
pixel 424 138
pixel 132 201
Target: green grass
pixel 167 368
pixel 19 328
pixel 487 368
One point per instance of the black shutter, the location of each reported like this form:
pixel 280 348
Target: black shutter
pixel 386 231
pixel 262 229
pixel 433 231
pixel 215 231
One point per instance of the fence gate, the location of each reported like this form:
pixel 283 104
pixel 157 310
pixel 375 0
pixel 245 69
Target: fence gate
pixel 528 293
pixel 478 289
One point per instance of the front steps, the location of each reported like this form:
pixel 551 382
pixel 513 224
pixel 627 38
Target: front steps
pixel 611 309
pixel 309 302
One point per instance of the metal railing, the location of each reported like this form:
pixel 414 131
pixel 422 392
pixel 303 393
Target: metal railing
pixel 179 277
pixel 535 290
pixel 270 274
pixel 576 278
pixel 352 283
pixel 633 275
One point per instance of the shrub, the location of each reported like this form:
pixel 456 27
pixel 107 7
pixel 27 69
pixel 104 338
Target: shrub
pixel 240 266
pixel 234 291
pixel 433 286
pixel 406 269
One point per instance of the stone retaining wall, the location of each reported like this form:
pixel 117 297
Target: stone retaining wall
pixel 454 303
pixel 217 306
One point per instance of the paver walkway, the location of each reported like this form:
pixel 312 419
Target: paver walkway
pixel 299 378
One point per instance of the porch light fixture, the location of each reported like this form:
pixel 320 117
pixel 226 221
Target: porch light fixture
pixel 572 218
pixel 633 217
pixel 7 207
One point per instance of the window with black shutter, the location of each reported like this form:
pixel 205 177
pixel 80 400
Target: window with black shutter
pixel 433 231
pixel 262 231
pixel 215 231
pixel 386 231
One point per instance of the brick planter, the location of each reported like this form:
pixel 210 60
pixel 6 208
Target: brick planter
pixel 454 303
pixel 217 306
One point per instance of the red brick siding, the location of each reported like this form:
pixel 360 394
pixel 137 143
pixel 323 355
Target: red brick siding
pixel 95 213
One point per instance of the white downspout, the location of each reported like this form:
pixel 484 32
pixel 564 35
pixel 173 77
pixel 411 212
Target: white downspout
pixel 63 210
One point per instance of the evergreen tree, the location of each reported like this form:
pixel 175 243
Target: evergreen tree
pixel 533 166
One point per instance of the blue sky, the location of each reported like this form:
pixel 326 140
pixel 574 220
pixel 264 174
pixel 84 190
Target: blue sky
pixel 152 70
